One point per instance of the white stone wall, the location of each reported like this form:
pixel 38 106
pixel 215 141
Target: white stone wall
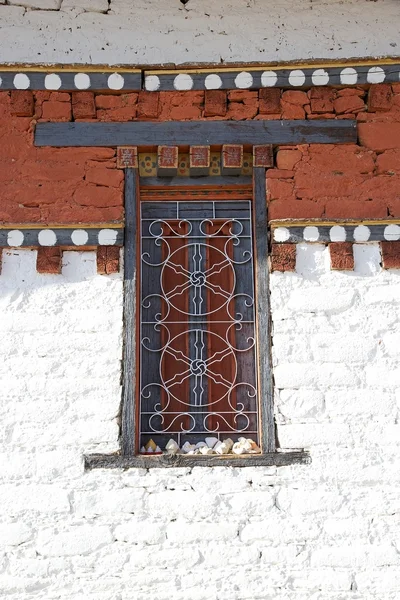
pixel 137 32
pixel 324 531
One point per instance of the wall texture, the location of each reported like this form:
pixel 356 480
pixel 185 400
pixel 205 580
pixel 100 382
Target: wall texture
pixel 153 32
pixel 325 531
pixel 71 185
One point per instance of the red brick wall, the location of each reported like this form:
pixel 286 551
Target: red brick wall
pixel 44 185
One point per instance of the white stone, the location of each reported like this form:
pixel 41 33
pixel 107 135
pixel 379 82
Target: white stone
pixel 38 4
pixel 206 450
pixel 224 446
pixel 14 534
pixel 211 441
pixel 172 447
pixel 188 447
pixel 242 446
pixel 73 541
pixel 367 259
pixel 201 445
pixel 99 6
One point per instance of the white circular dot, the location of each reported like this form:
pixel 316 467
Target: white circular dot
pixel 115 81
pixel 375 75
pixel 79 237
pixel 152 83
pixel 82 81
pixel 15 238
pixel 281 234
pixel 297 77
pixel 392 233
pixel 213 82
pixel 311 234
pixel 52 82
pixel 269 79
pixel 107 237
pixel 348 76
pixel 21 81
pixel 243 80
pixel 337 233
pixel 183 82
pixel 362 233
pixel 320 77
pixel 47 237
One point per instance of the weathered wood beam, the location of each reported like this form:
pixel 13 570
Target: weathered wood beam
pixel 202 132
pixel 116 461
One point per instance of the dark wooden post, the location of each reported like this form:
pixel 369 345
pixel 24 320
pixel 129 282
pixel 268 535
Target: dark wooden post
pixel 129 355
pixel 265 380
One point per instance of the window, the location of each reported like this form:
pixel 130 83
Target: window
pixel 197 331
pixel 197 340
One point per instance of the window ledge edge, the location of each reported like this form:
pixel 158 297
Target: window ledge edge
pixel 272 459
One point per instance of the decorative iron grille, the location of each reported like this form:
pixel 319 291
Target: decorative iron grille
pixel 197 322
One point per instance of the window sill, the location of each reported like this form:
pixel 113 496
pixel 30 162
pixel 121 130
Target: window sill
pixel 116 461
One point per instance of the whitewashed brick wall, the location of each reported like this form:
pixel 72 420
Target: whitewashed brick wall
pixel 137 32
pixel 325 531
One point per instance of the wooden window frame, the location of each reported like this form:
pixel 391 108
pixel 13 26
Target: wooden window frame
pixel 270 454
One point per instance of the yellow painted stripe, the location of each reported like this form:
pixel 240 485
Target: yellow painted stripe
pixel 65 226
pixel 283 223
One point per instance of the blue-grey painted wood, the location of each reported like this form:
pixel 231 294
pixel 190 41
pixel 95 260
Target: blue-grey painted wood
pixel 265 379
pixel 340 232
pixel 128 433
pixel 28 238
pixel 181 133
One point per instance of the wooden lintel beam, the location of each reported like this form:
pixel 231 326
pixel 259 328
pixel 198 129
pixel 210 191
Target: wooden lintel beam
pixel 184 133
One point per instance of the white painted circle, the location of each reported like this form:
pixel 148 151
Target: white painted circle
pixel 15 238
pixel 79 237
pixel 82 81
pixel 376 75
pixel 183 82
pixel 1 81
pixel 243 80
pixel 348 76
pixel 269 79
pixel 21 81
pixel 115 81
pixel 213 82
pixel 52 82
pixel 297 77
pixel 107 237
pixel 281 234
pixel 47 237
pixel 392 233
pixel 152 83
pixel 337 233
pixel 311 234
pixel 362 233
pixel 320 77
